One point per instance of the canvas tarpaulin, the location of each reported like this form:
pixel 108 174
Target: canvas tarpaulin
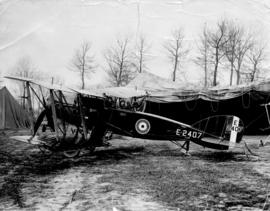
pixel 211 94
pixel 12 115
pixel 191 105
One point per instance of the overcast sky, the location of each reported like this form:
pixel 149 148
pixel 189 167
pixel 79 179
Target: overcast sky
pixel 48 31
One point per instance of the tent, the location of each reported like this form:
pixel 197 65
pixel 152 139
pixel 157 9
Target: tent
pixel 12 115
pixel 189 105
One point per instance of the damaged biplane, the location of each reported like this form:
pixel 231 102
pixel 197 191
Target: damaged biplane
pixel 80 119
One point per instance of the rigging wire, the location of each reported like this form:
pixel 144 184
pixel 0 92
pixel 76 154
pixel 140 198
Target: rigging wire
pixel 191 108
pixel 212 107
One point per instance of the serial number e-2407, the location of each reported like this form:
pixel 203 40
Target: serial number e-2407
pixel 188 133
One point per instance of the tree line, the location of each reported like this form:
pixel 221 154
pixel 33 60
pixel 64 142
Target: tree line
pixel 228 46
pixel 231 45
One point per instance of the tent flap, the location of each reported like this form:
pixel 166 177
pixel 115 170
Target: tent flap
pixel 13 116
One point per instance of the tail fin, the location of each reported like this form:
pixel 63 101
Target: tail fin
pixel 227 129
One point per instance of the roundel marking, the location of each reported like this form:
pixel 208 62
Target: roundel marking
pixel 142 126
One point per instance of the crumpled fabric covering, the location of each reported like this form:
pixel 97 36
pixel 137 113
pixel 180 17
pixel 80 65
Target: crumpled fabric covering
pixel 212 94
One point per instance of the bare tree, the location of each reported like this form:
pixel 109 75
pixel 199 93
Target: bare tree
pixel 203 58
pixel 83 62
pixel 175 50
pixel 256 56
pixel 25 68
pixel 234 37
pixel 243 45
pixel 118 58
pixel 217 41
pixel 142 48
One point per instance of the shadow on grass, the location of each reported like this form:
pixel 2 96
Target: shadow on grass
pixel 164 181
pixel 220 156
pixel 39 164
pixel 118 153
pixel 193 185
pixel 204 155
pixel 19 168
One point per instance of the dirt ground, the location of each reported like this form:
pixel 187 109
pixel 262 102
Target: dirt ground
pixel 135 175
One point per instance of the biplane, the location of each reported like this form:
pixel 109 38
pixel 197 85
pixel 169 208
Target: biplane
pixel 80 119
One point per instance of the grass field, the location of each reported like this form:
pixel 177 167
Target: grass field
pixel 134 174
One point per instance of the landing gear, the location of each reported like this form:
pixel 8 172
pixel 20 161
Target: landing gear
pixel 45 150
pixel 76 143
pixel 248 151
pixel 71 153
pixel 184 146
pixel 67 142
pixel 91 149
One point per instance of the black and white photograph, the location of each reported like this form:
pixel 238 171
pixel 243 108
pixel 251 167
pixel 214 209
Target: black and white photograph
pixel 134 105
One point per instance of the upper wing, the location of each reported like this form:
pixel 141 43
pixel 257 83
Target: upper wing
pixel 52 86
pixel 18 78
pixel 39 83
pixel 92 92
pixel 118 92
pixel 124 92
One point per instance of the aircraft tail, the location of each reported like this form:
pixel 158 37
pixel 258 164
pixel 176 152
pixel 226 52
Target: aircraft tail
pixel 221 131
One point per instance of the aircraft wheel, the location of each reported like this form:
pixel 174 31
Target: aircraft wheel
pixel 91 149
pixel 72 153
pixel 44 150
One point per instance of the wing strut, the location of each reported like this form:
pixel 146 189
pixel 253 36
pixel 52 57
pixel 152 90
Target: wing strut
pixel 82 117
pixel 42 102
pixel 62 113
pixel 54 114
pixel 184 146
pixel 30 108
